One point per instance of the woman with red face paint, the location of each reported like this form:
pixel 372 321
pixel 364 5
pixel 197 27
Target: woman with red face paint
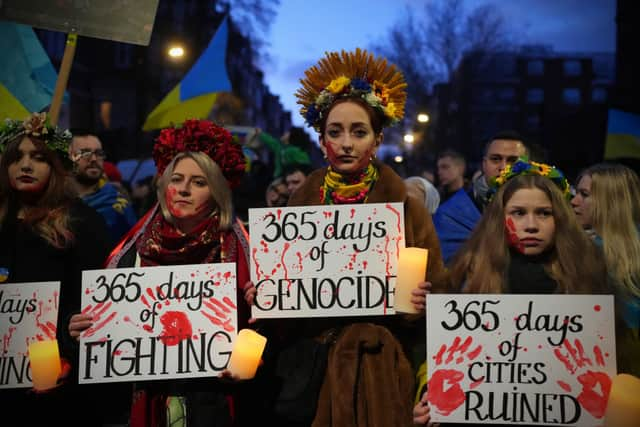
pixel 193 223
pixel 348 98
pixel 527 242
pixel 46 234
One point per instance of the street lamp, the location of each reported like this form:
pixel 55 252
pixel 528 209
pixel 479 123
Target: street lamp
pixel 423 118
pixel 176 52
pixel 408 138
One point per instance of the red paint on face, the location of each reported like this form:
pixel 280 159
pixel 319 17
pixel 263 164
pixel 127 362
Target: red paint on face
pixel 512 236
pixel 176 327
pixel 332 156
pixel 169 197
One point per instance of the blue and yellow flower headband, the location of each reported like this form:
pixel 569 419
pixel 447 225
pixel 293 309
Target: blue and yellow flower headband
pixel 523 166
pixel 352 74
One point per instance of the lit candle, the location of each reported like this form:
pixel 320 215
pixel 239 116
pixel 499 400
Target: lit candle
pixel 45 364
pixel 246 354
pixel 412 266
pixel 623 409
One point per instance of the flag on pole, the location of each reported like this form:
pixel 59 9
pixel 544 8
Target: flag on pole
pixel 623 135
pixel 195 95
pixel 27 77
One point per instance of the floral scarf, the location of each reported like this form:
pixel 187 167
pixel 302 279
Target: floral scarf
pixel 339 189
pixel 163 244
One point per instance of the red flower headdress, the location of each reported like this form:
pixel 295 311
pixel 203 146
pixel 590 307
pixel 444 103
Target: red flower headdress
pixel 207 137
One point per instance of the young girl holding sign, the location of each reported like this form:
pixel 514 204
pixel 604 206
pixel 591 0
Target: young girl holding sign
pixel 543 249
pixel 198 164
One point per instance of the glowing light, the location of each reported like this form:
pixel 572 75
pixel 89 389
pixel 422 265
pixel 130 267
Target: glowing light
pixel 398 159
pixel 408 138
pixel 176 52
pixel 423 118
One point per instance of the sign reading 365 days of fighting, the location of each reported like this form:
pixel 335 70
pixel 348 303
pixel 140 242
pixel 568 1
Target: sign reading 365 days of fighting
pixel 28 313
pixel 155 323
pixel 325 260
pixel 520 359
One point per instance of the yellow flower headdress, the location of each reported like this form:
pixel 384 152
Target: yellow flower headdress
pixel 352 74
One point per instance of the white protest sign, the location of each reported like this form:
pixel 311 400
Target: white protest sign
pixel 520 359
pixel 323 261
pixel 158 322
pixel 28 313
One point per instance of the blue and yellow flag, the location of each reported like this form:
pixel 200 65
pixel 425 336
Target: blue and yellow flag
pixel 623 135
pixel 27 78
pixel 195 95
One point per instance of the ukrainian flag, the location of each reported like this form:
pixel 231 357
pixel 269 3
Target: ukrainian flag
pixel 623 135
pixel 195 95
pixel 27 78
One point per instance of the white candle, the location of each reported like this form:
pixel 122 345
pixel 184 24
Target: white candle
pixel 412 267
pixel 623 408
pixel 246 354
pixel 44 357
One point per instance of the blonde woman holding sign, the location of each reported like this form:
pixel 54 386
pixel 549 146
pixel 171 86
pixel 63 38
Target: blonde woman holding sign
pixel 198 164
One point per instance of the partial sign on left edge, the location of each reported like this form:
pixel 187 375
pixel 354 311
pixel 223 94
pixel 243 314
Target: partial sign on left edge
pixel 28 313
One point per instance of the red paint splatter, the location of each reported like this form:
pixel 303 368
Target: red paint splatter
pixel 476 383
pixel 445 401
pixel 147 328
pixel 284 265
pixel 353 212
pixel 592 401
pixel 86 309
pixel 255 262
pixel 144 301
pixel 224 324
pixel 596 307
pixel 566 387
pixel 95 328
pixel 230 303
pixel 150 293
pixel 176 327
pixel 395 211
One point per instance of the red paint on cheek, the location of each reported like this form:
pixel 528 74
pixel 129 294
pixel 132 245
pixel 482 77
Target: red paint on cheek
pixel 512 236
pixel 169 197
pixel 332 156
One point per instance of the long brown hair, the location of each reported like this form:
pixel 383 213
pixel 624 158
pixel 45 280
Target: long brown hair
pixel 49 217
pixel 483 262
pixel 615 190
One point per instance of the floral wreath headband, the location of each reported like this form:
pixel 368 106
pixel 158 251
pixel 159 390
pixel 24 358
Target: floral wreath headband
pixel 38 126
pixel 352 74
pixel 206 137
pixel 524 167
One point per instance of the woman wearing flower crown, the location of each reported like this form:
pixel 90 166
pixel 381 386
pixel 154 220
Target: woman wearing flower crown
pixel 47 234
pixel 527 242
pixel 348 98
pixel 607 205
pixel 198 165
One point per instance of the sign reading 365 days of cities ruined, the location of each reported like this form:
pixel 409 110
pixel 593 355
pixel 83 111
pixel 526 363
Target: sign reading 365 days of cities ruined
pixel 155 323
pixel 520 359
pixel 28 313
pixel 325 260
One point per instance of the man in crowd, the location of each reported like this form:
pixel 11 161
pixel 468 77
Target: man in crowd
pixel 294 176
pixel 92 186
pixel 451 167
pixel 455 219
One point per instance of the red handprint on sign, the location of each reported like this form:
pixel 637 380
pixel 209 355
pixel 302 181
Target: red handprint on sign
pixel 596 385
pixel 444 392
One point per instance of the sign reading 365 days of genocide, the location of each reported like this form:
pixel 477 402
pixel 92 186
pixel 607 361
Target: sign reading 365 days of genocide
pixel 28 313
pixel 155 323
pixel 325 260
pixel 520 359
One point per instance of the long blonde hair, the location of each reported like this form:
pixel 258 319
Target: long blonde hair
pixel 483 262
pixel 50 216
pixel 218 186
pixel 615 215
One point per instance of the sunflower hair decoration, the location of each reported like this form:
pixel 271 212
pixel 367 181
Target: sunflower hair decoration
pixel 37 126
pixel 352 74
pixel 524 167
